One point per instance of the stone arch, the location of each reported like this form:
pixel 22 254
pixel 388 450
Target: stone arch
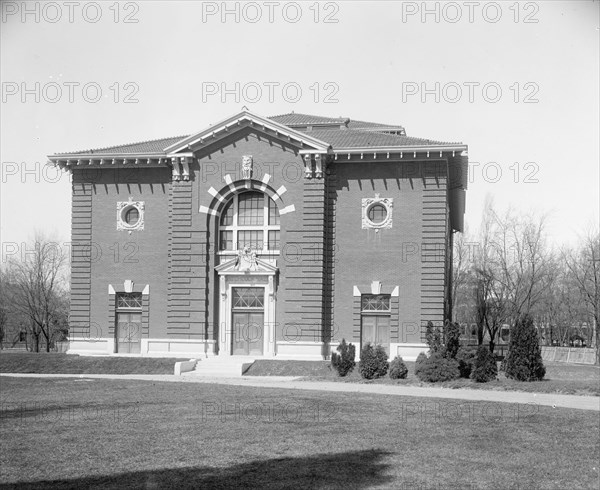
pixel 223 196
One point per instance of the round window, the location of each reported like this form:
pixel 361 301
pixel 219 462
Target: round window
pixel 132 216
pixel 377 214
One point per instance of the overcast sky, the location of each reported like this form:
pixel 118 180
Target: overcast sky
pixel 518 83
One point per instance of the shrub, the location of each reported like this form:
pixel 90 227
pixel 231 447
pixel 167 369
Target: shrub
pixel 398 369
pixel 421 358
pixel 433 337
pixel 438 368
pixel 524 358
pixel 445 340
pixel 484 368
pixel 343 362
pixel 465 357
pixel 373 361
pixel 451 339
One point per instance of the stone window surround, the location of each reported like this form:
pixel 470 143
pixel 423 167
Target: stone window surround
pixel 368 203
pixel 122 208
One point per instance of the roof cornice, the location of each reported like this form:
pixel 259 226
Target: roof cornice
pixel 403 149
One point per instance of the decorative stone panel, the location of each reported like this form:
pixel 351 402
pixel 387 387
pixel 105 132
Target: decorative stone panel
pixel 123 207
pixel 370 203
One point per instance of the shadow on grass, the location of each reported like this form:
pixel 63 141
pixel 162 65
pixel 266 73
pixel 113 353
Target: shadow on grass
pixel 356 469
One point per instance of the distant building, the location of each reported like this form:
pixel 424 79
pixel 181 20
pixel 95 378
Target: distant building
pixel 264 237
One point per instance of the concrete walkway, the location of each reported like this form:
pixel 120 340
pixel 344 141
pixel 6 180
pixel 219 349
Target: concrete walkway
pixel 293 383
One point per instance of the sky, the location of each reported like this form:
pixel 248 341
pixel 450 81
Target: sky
pixel 515 81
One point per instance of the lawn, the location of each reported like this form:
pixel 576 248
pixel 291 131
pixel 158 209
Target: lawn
pixel 53 363
pixel 572 379
pixel 82 433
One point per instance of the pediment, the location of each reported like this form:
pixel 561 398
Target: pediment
pixel 246 264
pixel 241 121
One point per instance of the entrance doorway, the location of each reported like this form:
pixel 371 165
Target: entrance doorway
pixel 248 321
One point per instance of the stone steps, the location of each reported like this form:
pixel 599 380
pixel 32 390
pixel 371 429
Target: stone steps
pixel 221 366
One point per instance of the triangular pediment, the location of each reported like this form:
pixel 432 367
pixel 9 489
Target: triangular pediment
pixel 241 121
pixel 246 264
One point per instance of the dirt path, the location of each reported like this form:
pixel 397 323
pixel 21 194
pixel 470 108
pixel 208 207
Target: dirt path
pixel 292 383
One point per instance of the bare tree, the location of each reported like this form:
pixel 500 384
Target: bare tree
pixel 584 264
pixel 512 269
pixel 490 291
pixel 561 311
pixel 461 273
pixel 4 306
pixel 37 286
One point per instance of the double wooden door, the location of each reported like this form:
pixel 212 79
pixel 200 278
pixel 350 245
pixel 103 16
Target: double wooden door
pixel 376 329
pixel 128 333
pixel 248 328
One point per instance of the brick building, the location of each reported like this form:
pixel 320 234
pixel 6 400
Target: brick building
pixel 264 237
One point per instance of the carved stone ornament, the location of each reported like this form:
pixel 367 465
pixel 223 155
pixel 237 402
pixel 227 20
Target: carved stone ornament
pixel 318 167
pixel 308 167
pixel 247 167
pixel 380 208
pixel 181 168
pixel 246 260
pixel 123 207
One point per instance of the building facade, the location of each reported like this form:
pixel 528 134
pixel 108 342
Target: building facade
pixel 265 237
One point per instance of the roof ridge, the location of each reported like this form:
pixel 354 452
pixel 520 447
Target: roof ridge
pixel 384 125
pixel 306 114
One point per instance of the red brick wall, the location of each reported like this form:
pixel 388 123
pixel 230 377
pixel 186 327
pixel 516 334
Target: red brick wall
pixel 392 256
pixel 175 253
pixel 141 256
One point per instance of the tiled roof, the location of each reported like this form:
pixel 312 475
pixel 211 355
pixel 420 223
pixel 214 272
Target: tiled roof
pixel 143 147
pixel 297 119
pixel 356 138
pixel 357 134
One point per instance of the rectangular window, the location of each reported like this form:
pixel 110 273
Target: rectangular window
pixel 274 240
pixel 251 238
pixel 376 302
pixel 226 240
pixel 248 298
pixel 129 300
pixel 251 209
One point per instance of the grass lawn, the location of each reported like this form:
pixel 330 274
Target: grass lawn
pixel 573 379
pixel 81 433
pixel 53 363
